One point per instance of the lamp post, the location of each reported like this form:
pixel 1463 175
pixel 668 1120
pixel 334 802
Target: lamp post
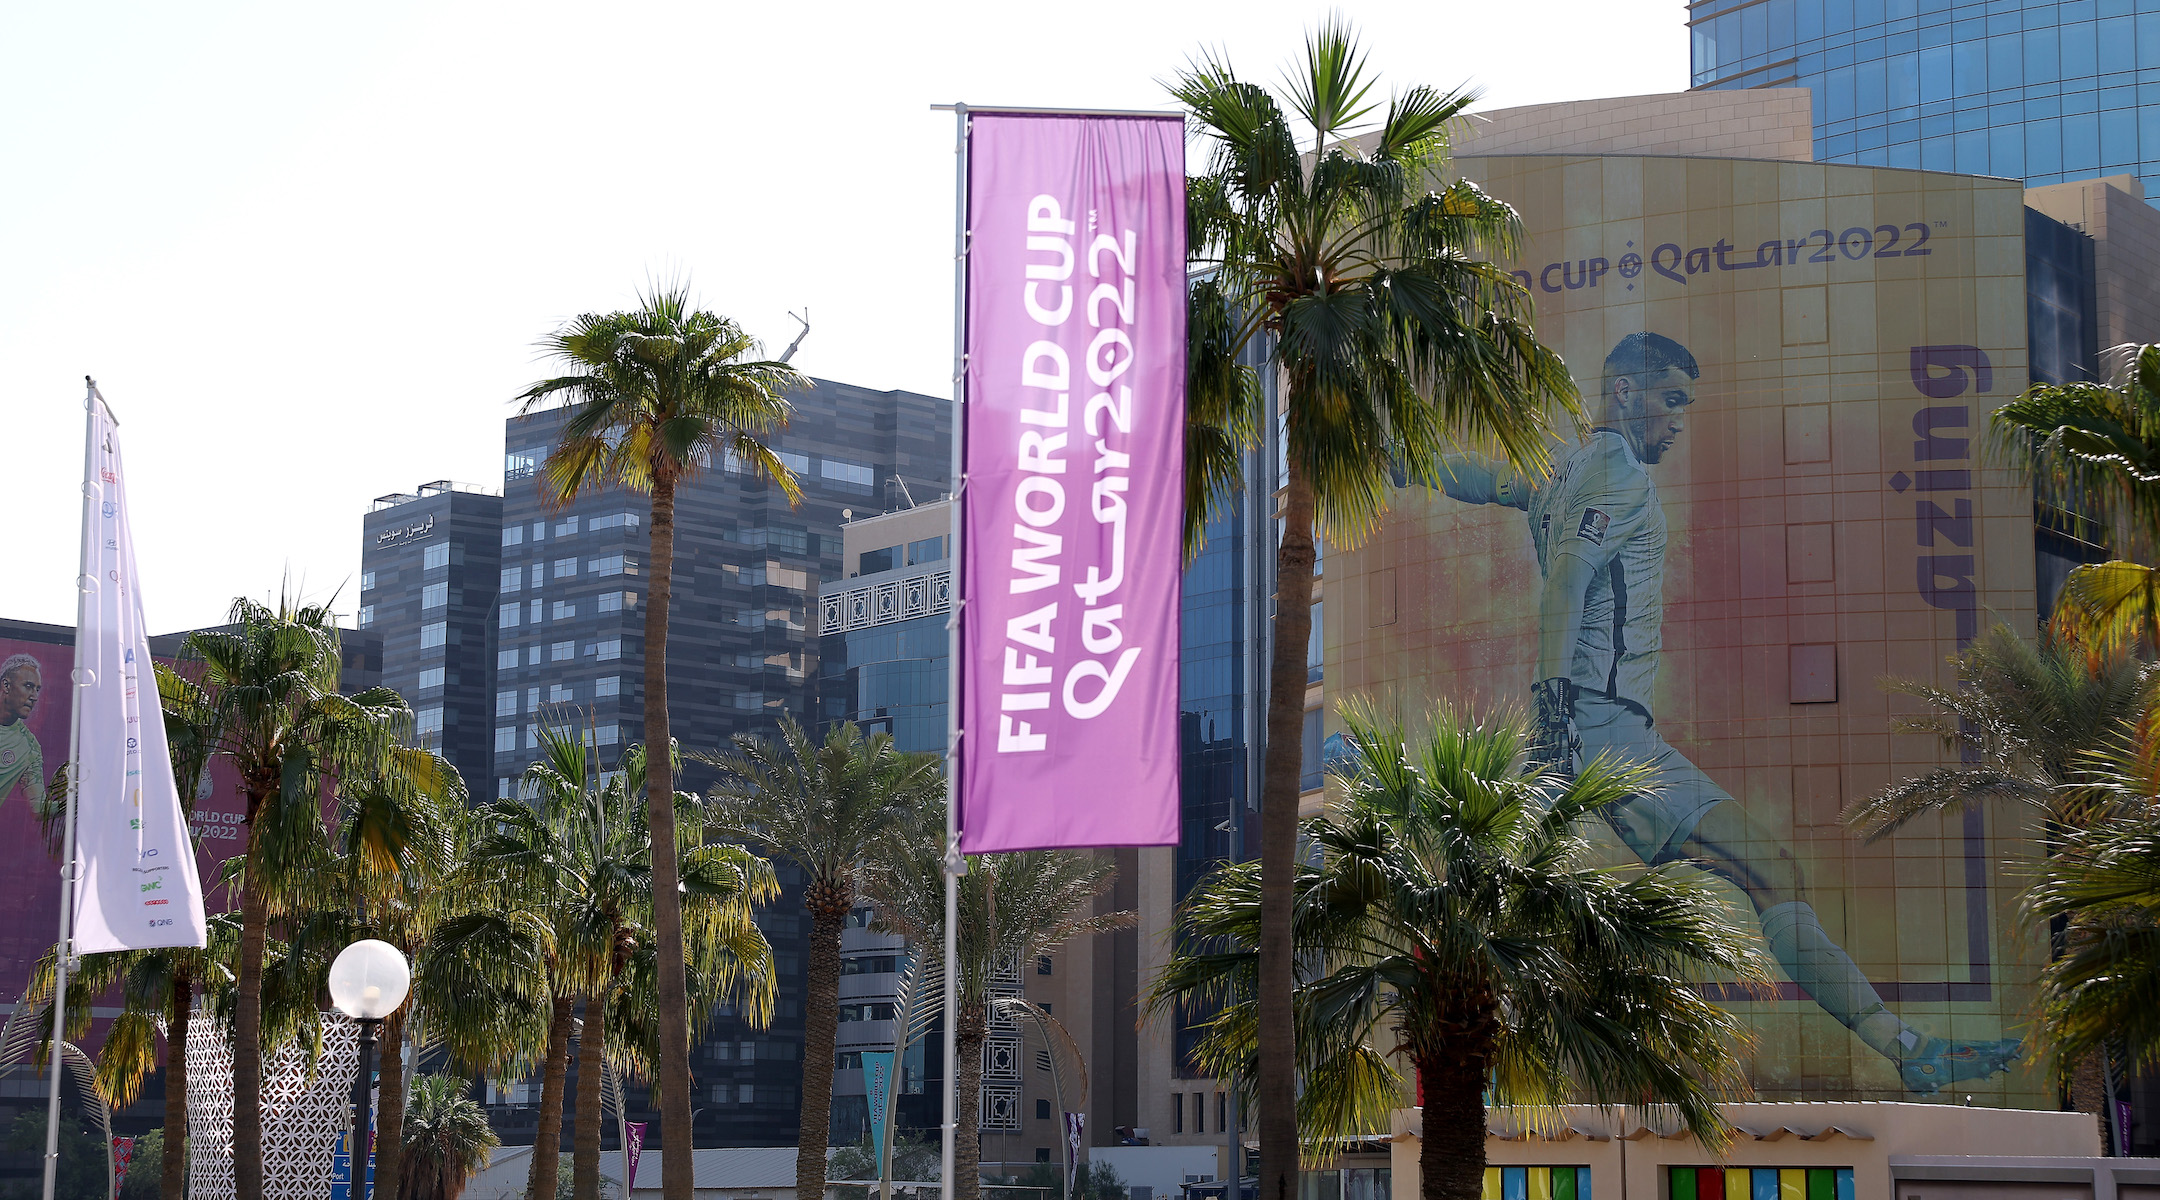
pixel 367 983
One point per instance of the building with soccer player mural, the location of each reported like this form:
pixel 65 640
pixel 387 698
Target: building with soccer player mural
pixel 1778 500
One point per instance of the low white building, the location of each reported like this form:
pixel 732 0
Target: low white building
pixel 752 1173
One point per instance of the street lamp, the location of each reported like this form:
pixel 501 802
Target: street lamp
pixel 367 983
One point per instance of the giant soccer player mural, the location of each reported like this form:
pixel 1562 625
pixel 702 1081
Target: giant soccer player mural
pixel 1773 504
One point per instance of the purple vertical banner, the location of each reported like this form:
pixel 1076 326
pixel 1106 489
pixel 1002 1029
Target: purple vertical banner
pixel 1073 506
pixel 636 1144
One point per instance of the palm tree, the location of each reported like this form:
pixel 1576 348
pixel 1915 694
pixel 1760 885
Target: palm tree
pixel 1393 339
pixel 585 858
pixel 2094 449
pixel 2037 717
pixel 822 808
pixel 1013 907
pixel 2101 995
pixel 267 684
pixel 654 393
pixel 1458 915
pixel 446 1139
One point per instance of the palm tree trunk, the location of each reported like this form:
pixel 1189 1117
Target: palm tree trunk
pixel 591 1072
pixel 247 1047
pixel 390 1108
pixel 547 1141
pixel 1276 1084
pixel 677 1162
pixel 172 1170
pixel 1451 1146
pixel 821 1010
pixel 967 1118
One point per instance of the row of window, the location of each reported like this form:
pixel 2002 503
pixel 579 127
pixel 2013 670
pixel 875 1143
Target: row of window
pixel 515 535
pixel 514 613
pixel 928 550
pixel 2063 44
pixel 506 736
pixel 605 650
pixel 506 700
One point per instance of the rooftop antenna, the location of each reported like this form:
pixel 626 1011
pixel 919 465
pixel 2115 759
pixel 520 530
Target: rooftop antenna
pixel 903 490
pixel 804 321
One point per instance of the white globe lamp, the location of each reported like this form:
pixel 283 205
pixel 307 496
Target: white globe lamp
pixel 368 981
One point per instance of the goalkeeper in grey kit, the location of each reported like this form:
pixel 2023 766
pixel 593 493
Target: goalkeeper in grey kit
pixel 1600 537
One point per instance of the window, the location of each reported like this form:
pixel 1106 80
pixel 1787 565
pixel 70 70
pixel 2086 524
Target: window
pixel 613 564
pixel 565 568
pixel 753 618
pixel 926 550
pixel 520 464
pixel 1042 1060
pixel 566 526
pixel 1316 644
pixel 849 476
pixel 872 1011
pixel 609 650
pixel 434 635
pixel 607 735
pixel 789 538
pixel 870 964
pixel 607 685
pixel 560 651
pixel 798 463
pixel 510 614
pixel 435 595
pixel 753 576
pixel 513 535
pixel 1045 1006
pixel 513 578
pixel 1042 1153
pixel 1177 1112
pixel 539 530
pixel 848 1060
pixel 532 699
pixel 564 610
pixel 427 723
pixel 559 693
pixel 506 701
pixel 505 785
pixel 532 613
pixel 532 655
pixel 1199 1112
pixel 1042 1113
pixel 747 1051
pixel 436 555
pixel 861 918
pixel 621 520
pixel 367 615
pixel 431 678
pixel 506 741
pixel 506 660
pixel 1311 775
pixel 532 737
pixel 1042 964
pixel 748 701
pixel 367 581
pixel 872 561
pixel 1222 1112
pixel 617 601
pixel 746 1093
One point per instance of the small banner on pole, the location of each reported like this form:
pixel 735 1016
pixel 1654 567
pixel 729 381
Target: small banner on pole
pixel 138 888
pixel 634 1145
pixel 877 1068
pixel 123 1154
pixel 1073 506
pixel 1075 1124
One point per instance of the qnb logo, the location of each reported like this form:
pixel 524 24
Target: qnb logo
pixel 1942 478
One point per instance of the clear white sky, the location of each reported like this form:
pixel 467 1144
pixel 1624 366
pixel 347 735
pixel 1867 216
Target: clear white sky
pixel 307 249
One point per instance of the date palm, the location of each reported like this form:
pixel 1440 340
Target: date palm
pixel 446 1139
pixel 267 686
pixel 1457 915
pixel 2094 449
pixel 654 394
pixel 822 807
pixel 1393 339
pixel 1013 907
pixel 584 857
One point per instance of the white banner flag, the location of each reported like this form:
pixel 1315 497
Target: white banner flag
pixel 138 887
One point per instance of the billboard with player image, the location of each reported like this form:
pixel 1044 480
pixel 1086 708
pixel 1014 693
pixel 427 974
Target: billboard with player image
pixel 1778 501
pixel 34 717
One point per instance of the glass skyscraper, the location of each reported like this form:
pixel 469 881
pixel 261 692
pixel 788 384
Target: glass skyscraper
pixel 2044 92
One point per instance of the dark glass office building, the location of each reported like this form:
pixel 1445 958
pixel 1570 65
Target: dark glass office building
pixel 2044 92
pixel 427 585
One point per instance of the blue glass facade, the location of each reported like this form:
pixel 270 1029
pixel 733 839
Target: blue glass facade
pixel 2043 92
pixel 890 678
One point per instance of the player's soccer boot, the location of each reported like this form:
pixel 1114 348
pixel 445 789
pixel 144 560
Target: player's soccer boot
pixel 1939 1063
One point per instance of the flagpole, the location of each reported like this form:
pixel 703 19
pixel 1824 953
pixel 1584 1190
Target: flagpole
pixel 63 952
pixel 955 865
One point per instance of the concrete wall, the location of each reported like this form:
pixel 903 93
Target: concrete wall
pixel 1627 1150
pixel 2126 251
